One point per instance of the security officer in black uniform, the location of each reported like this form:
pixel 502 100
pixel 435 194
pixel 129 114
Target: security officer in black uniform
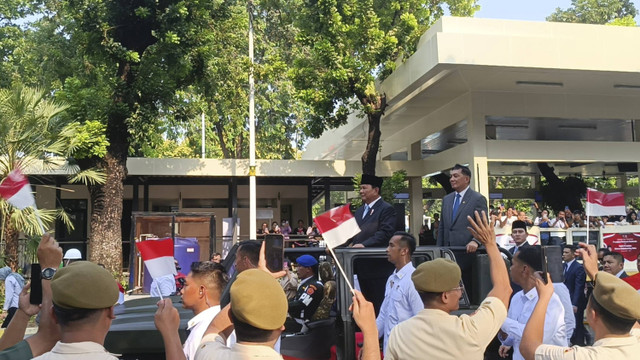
pixel 308 297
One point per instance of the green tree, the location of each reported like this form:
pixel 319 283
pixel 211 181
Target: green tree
pixel 32 135
pixel 349 45
pixel 615 12
pixel 130 58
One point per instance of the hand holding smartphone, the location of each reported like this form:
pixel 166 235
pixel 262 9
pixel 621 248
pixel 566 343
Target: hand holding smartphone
pixel 274 252
pixel 35 295
pixel 552 264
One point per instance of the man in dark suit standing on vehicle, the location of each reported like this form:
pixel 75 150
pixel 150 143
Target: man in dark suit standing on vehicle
pixel 456 206
pixel 376 217
pixel 377 220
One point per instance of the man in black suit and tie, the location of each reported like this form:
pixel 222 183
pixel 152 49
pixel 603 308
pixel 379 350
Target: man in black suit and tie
pixel 376 217
pixel 574 279
pixel 377 220
pixel 452 230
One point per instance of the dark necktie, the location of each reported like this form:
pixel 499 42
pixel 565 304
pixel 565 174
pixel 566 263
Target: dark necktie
pixel 456 204
pixel 565 268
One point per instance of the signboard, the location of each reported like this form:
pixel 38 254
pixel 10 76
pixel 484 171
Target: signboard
pixel 627 244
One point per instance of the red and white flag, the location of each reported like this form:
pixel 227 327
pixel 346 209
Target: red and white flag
pixel 158 256
pixel 337 225
pixel 15 189
pixel 604 204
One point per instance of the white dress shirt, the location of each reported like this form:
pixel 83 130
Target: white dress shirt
pixel 164 285
pixel 565 298
pixel 401 301
pixel 12 291
pixel 519 313
pixel 197 326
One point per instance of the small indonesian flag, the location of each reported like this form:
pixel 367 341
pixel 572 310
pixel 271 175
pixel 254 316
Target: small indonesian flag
pixel 158 256
pixel 337 225
pixel 15 189
pixel 601 204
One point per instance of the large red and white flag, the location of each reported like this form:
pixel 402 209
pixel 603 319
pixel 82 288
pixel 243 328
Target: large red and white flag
pixel 15 189
pixel 337 225
pixel 604 204
pixel 158 256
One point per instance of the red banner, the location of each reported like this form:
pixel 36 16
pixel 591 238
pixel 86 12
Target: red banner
pixel 627 244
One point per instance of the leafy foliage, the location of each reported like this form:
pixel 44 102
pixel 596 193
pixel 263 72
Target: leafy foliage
pixel 614 12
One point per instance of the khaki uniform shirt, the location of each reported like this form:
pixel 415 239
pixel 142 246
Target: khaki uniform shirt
pixel 434 334
pixel 78 350
pixel 618 348
pixel 213 347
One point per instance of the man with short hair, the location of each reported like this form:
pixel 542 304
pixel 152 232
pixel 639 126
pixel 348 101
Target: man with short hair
pixel 401 300
pixel 216 258
pixel 309 294
pixel 434 333
pixel 247 256
pixel 201 294
pixel 525 263
pixel 84 295
pixel 612 312
pixel 614 264
pixel 575 279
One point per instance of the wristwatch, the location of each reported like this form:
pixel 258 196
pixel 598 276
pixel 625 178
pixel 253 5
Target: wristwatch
pixel 47 273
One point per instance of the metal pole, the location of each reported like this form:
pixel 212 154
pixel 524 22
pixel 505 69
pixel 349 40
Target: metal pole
pixel 203 156
pixel 252 135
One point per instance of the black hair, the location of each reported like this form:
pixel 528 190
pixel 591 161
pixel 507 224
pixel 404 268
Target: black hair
pixel 250 249
pixel 465 170
pixel 210 273
pixel 66 316
pixel 570 247
pixel 531 256
pixel 616 255
pixel 615 324
pixel 249 333
pixel 408 241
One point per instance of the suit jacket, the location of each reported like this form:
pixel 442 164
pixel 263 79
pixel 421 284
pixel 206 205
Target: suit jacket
pixel 524 245
pixel 378 225
pixel 624 275
pixel 574 279
pixel 454 232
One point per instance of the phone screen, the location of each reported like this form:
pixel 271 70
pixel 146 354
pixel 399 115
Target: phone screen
pixel 552 263
pixel 35 296
pixel 274 252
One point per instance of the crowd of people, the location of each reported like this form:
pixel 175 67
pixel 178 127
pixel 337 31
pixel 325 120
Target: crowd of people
pixel 244 315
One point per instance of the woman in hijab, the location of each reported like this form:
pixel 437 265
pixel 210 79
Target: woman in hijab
pixel 13 284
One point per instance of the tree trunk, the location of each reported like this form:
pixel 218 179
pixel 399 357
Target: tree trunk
pixel 11 244
pixel 376 110
pixel 105 243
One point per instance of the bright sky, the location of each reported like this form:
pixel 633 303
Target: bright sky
pixel 536 10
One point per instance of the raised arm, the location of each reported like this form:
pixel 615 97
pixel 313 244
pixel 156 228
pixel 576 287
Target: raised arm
pixel 533 334
pixel 18 325
pixel 49 255
pixel 483 232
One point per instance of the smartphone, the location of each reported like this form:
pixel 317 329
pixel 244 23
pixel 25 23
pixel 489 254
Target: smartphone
pixel 566 208
pixel 552 263
pixel 274 252
pixel 35 295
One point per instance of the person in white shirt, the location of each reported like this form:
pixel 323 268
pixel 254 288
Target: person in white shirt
pixel 401 300
pixel 560 222
pixel 525 263
pixel 13 284
pixel 201 294
pixel 565 298
pixel 163 286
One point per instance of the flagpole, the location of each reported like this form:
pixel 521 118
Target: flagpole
pixel 344 275
pixel 587 212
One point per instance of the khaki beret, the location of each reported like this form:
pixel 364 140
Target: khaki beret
pixel 436 276
pixel 258 300
pixel 618 297
pixel 84 285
